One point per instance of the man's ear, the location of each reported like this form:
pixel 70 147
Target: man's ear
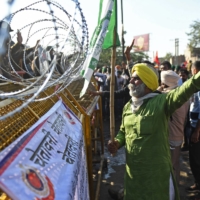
pixel 148 90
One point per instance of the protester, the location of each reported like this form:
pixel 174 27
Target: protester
pixel 5 68
pixel 169 80
pixel 194 147
pixel 125 69
pixel 125 77
pixel 106 71
pixel 120 80
pixel 189 66
pixel 16 68
pixel 124 92
pixel 184 75
pixel 177 68
pixel 165 66
pixel 144 132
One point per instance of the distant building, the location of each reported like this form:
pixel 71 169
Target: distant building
pixel 195 55
pixel 174 60
pixel 177 60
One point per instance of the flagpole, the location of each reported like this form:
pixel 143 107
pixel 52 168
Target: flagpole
pixel 122 39
pixel 112 86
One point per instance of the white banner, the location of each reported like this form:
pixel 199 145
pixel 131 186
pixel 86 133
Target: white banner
pixel 48 161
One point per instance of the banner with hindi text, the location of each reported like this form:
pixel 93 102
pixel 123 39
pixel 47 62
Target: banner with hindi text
pixel 48 161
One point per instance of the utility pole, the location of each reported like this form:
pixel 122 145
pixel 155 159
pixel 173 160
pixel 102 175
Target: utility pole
pixel 176 50
pixel 122 39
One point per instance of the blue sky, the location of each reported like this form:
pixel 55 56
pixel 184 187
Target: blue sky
pixel 165 20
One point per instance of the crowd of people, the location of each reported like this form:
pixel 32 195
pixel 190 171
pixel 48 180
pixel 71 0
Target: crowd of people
pixel 159 112
pixel 13 69
pixel 160 116
pixel 122 77
pixel 18 62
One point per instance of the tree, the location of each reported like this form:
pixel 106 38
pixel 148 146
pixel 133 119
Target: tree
pixel 139 56
pixel 105 57
pixel 194 34
pixel 168 56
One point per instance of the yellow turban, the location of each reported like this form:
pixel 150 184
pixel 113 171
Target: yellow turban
pixel 147 75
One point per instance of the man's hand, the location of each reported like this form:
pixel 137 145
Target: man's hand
pixel 113 146
pixel 195 136
pixel 38 41
pixel 94 93
pixel 128 50
pixel 19 37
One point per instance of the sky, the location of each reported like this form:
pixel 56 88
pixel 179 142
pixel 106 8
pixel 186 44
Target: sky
pixel 164 20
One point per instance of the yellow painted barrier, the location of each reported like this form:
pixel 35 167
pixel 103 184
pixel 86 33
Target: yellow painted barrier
pixel 14 126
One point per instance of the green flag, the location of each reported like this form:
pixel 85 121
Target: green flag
pixel 101 38
pixel 108 40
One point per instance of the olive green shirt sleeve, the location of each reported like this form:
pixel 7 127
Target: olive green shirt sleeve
pixel 177 97
pixel 120 138
pixel 121 134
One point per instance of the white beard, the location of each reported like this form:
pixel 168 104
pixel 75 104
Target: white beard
pixel 137 91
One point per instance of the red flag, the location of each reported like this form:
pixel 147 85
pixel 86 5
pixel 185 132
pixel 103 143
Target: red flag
pixel 156 59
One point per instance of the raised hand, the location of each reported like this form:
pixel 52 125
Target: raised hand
pixel 37 43
pixel 19 37
pixel 128 50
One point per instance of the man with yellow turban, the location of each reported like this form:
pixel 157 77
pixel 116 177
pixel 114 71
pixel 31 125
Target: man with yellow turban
pixel 144 132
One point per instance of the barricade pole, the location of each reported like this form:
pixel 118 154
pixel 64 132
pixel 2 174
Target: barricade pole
pixel 88 142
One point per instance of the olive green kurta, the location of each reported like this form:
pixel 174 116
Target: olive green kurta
pixel 145 136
